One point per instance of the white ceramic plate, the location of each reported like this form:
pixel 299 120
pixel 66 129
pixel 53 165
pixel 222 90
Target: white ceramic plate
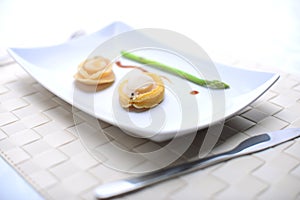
pixel 180 113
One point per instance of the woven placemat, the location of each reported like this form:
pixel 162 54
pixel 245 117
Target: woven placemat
pixel 38 137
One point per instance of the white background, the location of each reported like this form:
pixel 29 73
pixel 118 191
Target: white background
pixel 255 31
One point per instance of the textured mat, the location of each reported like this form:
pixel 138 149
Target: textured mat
pixel 39 138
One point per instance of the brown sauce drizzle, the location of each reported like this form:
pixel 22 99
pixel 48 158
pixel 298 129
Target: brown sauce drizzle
pixel 130 66
pixel 194 92
pixel 167 79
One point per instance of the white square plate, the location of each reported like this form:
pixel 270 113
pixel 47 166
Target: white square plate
pixel 180 113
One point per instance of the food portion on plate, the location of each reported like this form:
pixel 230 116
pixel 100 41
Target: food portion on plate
pixel 141 90
pixel 95 71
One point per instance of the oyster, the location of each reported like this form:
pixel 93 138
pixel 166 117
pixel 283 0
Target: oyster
pixel 141 90
pixel 95 71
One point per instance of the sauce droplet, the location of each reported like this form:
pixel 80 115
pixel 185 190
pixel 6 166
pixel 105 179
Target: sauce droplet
pixel 130 66
pixel 194 92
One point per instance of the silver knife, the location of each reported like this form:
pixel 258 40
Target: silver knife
pixel 248 146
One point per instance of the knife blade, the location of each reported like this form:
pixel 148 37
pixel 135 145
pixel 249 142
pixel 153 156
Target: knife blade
pixel 250 145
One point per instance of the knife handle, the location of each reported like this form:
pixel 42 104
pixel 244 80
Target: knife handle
pixel 116 188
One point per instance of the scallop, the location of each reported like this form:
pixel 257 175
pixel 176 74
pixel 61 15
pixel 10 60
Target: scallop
pixel 141 90
pixel 95 71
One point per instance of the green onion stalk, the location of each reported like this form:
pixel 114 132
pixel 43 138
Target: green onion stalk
pixel 213 84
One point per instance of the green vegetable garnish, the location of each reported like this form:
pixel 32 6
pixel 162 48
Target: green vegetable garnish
pixel 214 84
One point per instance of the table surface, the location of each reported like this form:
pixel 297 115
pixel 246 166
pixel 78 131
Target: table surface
pixel 37 135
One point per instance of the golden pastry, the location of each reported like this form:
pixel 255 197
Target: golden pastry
pixel 95 71
pixel 141 90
